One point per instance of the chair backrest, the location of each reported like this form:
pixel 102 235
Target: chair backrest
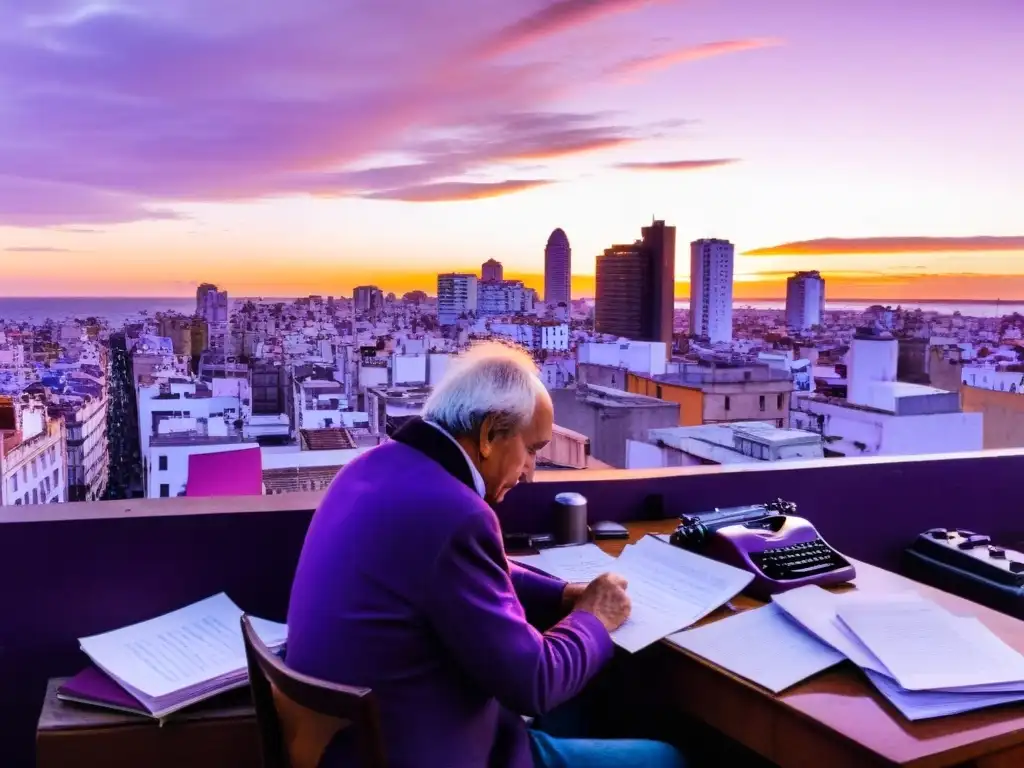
pixel 299 715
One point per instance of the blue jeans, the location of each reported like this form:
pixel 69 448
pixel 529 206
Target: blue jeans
pixel 556 743
pixel 552 752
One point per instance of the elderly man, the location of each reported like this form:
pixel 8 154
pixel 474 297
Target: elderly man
pixel 403 586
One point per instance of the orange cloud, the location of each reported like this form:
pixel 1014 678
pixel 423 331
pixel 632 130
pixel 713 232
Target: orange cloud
pixel 553 18
pixel 569 149
pixel 886 245
pixel 661 61
pixel 453 191
pixel 677 165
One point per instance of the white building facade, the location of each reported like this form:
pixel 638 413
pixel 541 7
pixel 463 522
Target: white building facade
pixel 456 296
pixel 711 273
pixel 33 462
pixel 885 417
pixel 505 297
pixel 805 300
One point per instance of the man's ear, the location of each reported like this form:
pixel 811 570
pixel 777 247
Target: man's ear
pixel 486 437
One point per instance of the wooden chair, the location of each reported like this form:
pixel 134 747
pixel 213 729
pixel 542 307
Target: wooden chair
pixel 298 715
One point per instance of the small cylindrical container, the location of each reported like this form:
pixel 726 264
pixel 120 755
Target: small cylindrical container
pixel 571 519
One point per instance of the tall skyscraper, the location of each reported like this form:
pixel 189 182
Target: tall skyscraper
pixel 456 296
pixel 491 271
pixel 558 269
pixel 636 287
pixel 805 300
pixel 711 270
pixel 660 243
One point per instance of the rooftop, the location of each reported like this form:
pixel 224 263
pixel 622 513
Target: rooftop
pixel 616 398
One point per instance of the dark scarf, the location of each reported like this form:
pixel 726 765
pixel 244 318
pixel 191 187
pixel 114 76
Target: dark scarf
pixel 428 440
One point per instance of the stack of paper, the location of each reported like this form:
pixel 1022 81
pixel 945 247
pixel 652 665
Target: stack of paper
pixel 670 588
pixel 924 660
pixel 181 658
pixel 762 645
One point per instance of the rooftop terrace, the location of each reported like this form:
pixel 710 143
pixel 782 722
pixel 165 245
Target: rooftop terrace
pixel 70 570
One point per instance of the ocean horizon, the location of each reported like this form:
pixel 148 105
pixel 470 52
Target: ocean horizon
pixel 118 310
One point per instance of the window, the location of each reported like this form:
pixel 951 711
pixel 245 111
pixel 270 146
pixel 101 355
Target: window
pixel 35 495
pixel 163 463
pixel 14 483
pixel 728 402
pixel 165 490
pixel 781 401
pixel 659 391
pixel 761 402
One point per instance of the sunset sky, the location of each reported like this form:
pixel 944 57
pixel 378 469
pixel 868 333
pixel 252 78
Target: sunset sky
pixel 288 147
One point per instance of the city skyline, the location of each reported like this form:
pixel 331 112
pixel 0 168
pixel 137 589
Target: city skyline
pixel 813 135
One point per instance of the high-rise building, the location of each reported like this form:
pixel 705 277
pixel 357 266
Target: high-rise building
pixel 558 269
pixel 660 243
pixel 456 296
pixel 805 300
pixel 711 269
pixel 212 306
pixel 503 297
pixel 636 287
pixel 492 272
pixel 623 293
pixel 367 298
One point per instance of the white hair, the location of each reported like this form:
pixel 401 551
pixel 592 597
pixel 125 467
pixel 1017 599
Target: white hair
pixel 491 380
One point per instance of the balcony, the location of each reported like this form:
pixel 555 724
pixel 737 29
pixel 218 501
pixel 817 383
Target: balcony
pixel 70 570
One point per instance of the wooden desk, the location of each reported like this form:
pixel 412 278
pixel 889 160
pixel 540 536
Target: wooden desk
pixel 836 719
pixel 73 736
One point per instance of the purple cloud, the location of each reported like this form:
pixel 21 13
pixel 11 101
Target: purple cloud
pixel 36 249
pixel 113 112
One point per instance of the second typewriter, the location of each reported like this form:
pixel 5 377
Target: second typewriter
pixel 783 551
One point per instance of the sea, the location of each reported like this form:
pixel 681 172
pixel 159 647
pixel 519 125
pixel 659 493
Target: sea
pixel 120 310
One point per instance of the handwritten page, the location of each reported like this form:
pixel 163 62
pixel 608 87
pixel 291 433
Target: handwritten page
pixel 782 655
pixel 927 648
pixel 582 563
pixel 671 588
pixel 197 643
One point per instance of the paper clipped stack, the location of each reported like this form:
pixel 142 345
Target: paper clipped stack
pixel 924 660
pixel 181 658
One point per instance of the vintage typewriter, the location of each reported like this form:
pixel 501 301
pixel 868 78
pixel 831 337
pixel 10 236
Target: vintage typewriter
pixel 781 550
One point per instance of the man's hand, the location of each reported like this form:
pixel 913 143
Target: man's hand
pixel 571 594
pixel 606 598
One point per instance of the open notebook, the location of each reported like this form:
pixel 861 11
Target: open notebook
pixel 168 663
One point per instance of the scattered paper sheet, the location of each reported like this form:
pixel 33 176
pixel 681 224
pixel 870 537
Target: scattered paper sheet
pixel 762 645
